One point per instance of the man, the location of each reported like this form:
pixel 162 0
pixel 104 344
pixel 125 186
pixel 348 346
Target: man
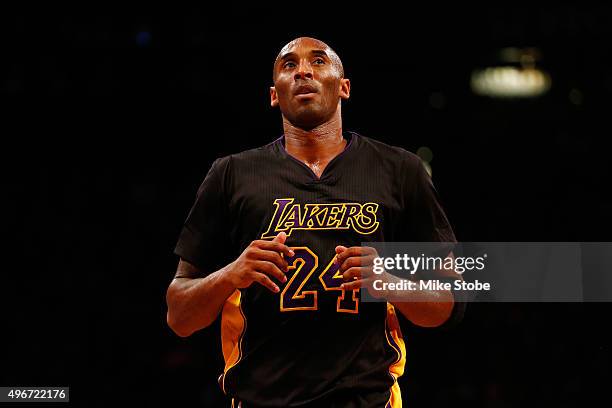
pixel 273 243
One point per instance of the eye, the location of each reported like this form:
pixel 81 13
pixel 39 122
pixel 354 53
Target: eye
pixel 319 61
pixel 289 64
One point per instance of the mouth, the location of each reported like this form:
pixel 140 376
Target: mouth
pixel 305 90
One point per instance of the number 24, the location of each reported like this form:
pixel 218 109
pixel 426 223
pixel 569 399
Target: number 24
pixel 305 263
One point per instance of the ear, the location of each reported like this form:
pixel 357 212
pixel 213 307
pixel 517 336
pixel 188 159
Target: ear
pixel 273 97
pixel 345 88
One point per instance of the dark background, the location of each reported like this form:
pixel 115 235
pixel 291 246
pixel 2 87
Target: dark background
pixel 113 115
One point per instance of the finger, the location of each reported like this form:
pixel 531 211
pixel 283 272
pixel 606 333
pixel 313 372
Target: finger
pixel 276 247
pixel 352 274
pixel 357 261
pixel 271 270
pixel 369 251
pixel 354 285
pixel 358 250
pixel 349 252
pixel 271 256
pixel 265 281
pixel 339 249
pixel 350 263
pixel 281 237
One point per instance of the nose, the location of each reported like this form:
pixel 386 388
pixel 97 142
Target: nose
pixel 304 70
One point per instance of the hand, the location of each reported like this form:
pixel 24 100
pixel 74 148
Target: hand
pixel 356 267
pixel 259 262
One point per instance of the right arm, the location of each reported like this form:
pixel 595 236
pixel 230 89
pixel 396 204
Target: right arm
pixel 195 301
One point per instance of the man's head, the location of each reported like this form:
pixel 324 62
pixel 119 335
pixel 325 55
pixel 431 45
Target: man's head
pixel 308 82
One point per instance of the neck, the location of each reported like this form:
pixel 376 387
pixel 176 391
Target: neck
pixel 317 146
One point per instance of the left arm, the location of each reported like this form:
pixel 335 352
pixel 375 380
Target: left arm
pixel 426 308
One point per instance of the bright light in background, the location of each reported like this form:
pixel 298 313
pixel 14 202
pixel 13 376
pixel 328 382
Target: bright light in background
pixel 510 82
pixel 516 77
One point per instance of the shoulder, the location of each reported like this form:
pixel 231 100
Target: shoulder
pixel 246 157
pixel 230 169
pixel 389 154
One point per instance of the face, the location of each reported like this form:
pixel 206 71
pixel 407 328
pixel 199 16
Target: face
pixel 308 83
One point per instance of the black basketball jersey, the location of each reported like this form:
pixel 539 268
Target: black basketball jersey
pixel 311 343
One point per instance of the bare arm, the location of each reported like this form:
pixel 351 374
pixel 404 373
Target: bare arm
pixel 194 302
pixel 426 308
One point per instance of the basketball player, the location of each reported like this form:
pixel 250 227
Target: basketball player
pixel 273 244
